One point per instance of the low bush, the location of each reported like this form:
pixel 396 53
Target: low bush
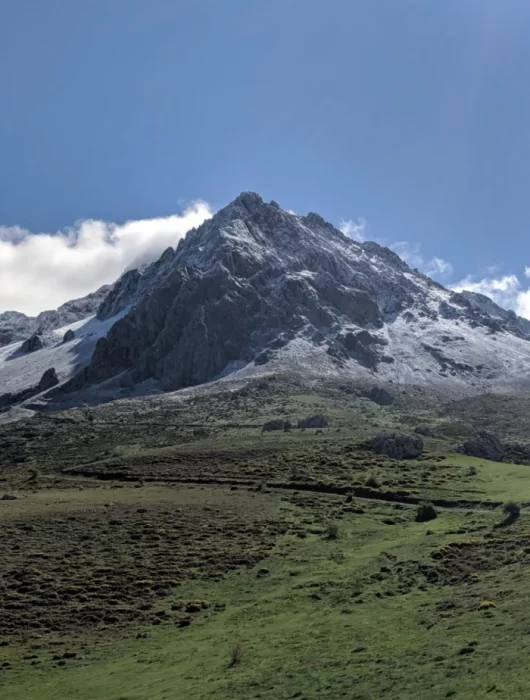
pixel 372 482
pixel 236 656
pixel 511 511
pixel 332 531
pixel 426 512
pixel 317 421
pixel 277 424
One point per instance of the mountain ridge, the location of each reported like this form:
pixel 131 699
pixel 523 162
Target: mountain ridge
pixel 259 290
pixel 16 326
pixel 256 284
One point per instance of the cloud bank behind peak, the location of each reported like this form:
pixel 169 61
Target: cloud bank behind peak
pixel 41 271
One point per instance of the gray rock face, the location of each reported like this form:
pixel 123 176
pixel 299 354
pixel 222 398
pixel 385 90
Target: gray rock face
pixel 32 344
pixel 48 379
pixel 398 446
pixel 484 445
pixel 121 295
pixel 15 326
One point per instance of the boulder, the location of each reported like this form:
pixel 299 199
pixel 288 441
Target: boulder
pixel 484 445
pixel 68 336
pixel 424 430
pixel 48 379
pixel 379 396
pixel 32 343
pixel 398 446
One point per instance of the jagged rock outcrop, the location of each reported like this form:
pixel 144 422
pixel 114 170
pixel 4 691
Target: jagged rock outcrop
pixel 48 380
pixel 123 294
pixel 32 343
pixel 69 336
pixel 398 446
pixel 484 445
pixel 15 326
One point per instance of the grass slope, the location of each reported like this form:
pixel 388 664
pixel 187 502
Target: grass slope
pixel 145 563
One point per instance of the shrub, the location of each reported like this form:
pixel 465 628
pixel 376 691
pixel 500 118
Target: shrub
pixel 236 656
pixel 332 531
pixel 277 424
pixel 472 471
pixel 426 512
pixel 512 509
pixel 317 421
pixel 372 482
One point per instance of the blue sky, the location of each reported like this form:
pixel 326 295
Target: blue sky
pixel 412 115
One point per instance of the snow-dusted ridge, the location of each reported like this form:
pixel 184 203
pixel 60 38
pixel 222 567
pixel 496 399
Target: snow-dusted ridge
pixel 19 370
pixel 256 290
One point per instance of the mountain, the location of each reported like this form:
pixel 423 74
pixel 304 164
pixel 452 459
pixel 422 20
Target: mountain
pixel 258 289
pixel 16 326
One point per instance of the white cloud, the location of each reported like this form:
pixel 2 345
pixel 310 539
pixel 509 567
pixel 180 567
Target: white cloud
pixel 438 267
pixel 40 271
pixel 527 271
pixel 506 291
pixel 523 304
pixel 354 229
pixel 411 253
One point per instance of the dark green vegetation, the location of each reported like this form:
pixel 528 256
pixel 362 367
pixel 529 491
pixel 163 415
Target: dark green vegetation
pixel 173 549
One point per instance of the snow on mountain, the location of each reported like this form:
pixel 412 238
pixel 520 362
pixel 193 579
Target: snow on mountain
pixel 15 326
pixel 20 371
pixel 258 289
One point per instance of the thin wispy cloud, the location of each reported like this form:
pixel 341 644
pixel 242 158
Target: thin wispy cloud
pixel 41 270
pixel 436 267
pixel 356 230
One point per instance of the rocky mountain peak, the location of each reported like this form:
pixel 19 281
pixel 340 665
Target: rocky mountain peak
pixel 259 290
pixel 258 287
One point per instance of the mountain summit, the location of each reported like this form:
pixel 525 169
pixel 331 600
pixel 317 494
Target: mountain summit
pixel 258 289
